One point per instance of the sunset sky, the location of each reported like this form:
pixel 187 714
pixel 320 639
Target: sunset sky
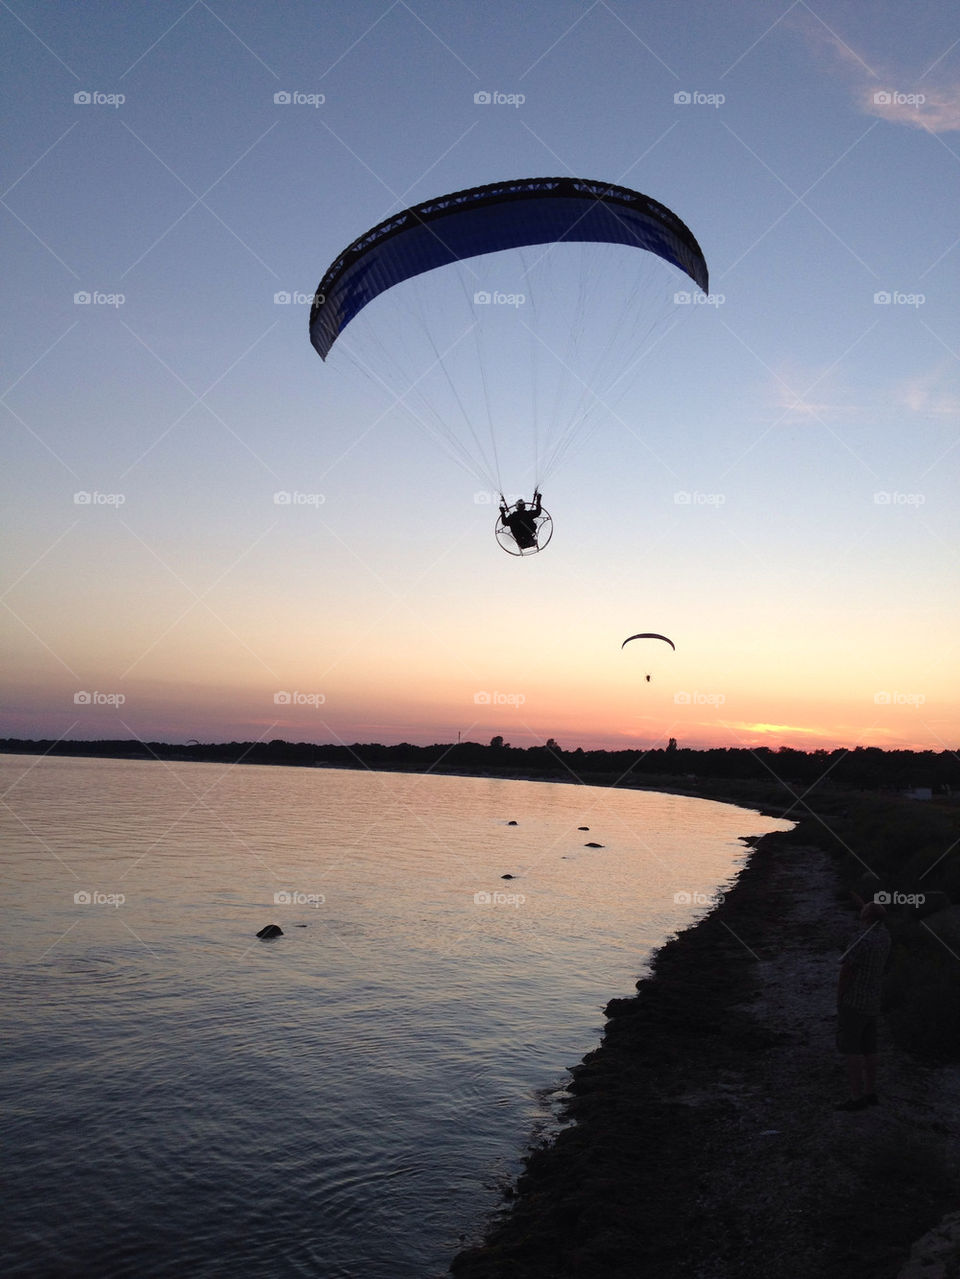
pixel 777 489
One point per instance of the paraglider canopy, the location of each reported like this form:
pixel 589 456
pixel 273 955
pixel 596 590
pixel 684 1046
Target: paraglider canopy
pixel 502 215
pixel 649 635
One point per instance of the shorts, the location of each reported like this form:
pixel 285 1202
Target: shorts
pixel 856 1033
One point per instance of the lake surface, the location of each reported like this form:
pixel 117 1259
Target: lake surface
pixel 348 1099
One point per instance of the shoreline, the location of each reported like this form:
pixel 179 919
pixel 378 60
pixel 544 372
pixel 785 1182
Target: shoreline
pixel 703 1139
pixel 761 796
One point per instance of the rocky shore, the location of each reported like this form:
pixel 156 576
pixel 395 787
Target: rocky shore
pixel 703 1139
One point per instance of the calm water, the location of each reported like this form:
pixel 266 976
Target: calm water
pixel 182 1098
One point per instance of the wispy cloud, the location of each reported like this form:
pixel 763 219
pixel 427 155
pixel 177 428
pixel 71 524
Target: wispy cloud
pixel 798 394
pixel 932 393
pixel 936 110
pixel 776 730
pixel 926 394
pixel 926 98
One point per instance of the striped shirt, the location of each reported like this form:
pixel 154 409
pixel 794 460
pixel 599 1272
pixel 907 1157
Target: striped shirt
pixel 866 960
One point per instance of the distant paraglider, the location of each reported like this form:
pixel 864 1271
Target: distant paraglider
pixel 516 376
pixel 649 635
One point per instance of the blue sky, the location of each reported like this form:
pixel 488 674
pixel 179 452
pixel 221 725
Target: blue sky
pixel 815 153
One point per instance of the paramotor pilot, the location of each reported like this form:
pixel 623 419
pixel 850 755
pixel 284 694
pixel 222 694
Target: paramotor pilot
pixel 522 521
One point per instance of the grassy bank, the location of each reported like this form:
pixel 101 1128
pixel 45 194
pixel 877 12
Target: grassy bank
pixel 704 1141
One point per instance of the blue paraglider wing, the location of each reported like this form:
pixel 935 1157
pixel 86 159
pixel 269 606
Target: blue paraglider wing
pixel 648 635
pixel 503 215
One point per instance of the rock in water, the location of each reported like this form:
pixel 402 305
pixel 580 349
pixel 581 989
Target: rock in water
pixel 271 930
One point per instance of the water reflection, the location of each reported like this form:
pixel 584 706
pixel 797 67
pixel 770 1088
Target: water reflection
pixel 343 1099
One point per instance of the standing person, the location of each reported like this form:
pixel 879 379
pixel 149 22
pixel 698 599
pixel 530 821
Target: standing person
pixel 859 993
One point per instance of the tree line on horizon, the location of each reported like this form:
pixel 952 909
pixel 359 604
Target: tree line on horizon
pixel 863 767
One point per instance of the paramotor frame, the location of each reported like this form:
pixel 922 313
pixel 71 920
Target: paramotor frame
pixel 544 532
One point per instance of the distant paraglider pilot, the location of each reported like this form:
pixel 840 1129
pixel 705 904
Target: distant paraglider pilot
pixel 522 521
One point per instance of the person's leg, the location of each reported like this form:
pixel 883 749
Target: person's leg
pixel 855 1076
pixel 850 1026
pixel 870 1075
pixel 869 1046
